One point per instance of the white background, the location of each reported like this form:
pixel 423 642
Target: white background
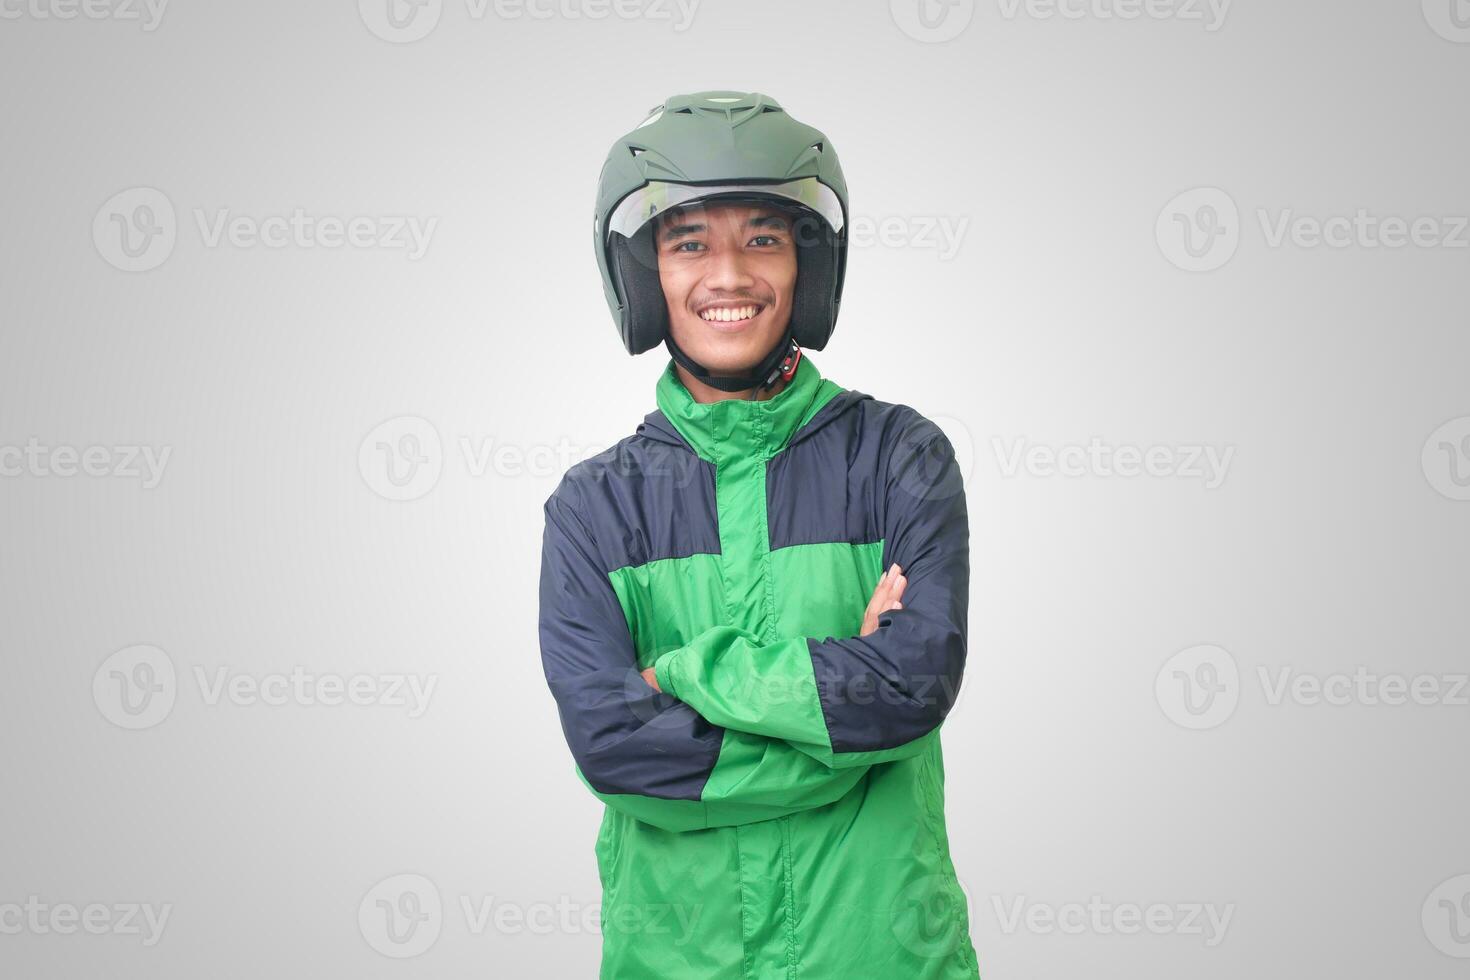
pixel 1060 144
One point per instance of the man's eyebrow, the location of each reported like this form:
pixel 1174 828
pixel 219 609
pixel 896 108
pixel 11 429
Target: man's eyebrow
pixel 773 220
pixel 678 231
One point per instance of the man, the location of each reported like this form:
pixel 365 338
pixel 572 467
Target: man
pixel 753 610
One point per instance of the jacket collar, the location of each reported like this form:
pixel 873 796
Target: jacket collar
pixel 737 427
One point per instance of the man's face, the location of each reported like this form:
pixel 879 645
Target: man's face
pixel 728 273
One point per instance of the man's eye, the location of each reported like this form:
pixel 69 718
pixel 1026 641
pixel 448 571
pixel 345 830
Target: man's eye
pixel 688 246
pixel 766 240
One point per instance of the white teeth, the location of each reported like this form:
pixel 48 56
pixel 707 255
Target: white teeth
pixel 727 316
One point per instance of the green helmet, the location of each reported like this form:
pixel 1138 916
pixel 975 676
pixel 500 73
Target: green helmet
pixel 731 146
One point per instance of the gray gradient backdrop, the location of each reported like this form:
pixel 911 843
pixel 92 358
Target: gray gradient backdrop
pixel 1186 285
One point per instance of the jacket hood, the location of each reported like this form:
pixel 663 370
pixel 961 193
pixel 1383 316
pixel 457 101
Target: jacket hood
pixel 736 426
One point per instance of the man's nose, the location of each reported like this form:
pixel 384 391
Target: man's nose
pixel 727 271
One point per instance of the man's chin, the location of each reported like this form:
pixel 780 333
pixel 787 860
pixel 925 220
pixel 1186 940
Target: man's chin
pixel 730 358
pixel 727 370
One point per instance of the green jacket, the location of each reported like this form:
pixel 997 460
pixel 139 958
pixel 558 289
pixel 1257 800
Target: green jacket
pixel 778 811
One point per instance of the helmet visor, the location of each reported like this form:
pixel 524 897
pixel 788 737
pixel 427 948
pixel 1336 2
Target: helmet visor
pixel 658 196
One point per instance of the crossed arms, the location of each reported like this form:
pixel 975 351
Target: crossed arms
pixel 728 729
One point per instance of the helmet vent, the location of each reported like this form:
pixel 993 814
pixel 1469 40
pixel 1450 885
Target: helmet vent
pixel 770 108
pixel 685 111
pixel 637 151
pixel 817 147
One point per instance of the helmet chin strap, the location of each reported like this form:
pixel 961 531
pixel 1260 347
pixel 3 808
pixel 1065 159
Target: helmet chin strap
pixel 780 362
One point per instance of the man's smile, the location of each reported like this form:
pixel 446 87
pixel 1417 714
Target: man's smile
pixel 730 316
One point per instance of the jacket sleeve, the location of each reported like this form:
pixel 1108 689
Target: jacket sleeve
pixel 639 751
pixel 861 700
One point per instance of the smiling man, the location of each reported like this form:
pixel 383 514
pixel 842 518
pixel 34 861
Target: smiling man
pixel 753 609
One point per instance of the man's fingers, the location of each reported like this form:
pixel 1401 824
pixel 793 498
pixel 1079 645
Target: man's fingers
pixel 880 592
pixel 886 583
pixel 885 597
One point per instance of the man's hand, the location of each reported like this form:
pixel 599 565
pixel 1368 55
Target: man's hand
pixel 885 597
pixel 652 680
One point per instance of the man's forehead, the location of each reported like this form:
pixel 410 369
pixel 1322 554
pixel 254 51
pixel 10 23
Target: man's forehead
pixel 720 211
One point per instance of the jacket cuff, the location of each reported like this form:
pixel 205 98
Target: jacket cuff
pixel 663 672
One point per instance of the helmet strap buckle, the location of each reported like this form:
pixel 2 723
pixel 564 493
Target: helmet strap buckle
pixel 786 369
pixel 789 362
